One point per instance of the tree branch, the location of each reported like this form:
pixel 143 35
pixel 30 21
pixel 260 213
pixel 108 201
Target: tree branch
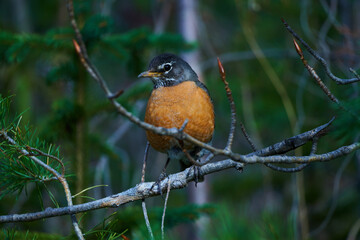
pixel 177 180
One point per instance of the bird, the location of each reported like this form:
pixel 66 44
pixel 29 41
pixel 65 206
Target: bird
pixel 177 96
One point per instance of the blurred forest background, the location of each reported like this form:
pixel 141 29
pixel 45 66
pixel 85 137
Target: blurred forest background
pixel 41 70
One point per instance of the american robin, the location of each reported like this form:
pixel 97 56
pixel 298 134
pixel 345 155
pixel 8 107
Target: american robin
pixel 177 95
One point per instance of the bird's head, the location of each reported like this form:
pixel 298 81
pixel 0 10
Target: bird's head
pixel 169 70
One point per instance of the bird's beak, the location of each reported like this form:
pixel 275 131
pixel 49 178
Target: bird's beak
pixel 149 74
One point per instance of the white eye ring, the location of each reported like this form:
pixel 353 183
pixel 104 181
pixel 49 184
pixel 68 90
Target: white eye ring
pixel 167 67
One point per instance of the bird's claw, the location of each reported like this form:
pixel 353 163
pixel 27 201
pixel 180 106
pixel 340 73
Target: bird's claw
pixel 157 183
pixel 198 176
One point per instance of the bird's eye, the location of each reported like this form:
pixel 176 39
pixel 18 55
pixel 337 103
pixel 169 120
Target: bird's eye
pixel 167 67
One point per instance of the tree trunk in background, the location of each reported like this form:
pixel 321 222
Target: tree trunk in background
pixel 22 19
pixel 188 28
pixel 80 93
pixel 23 85
pixel 303 221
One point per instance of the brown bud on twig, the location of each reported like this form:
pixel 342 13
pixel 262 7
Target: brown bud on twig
pixel 77 47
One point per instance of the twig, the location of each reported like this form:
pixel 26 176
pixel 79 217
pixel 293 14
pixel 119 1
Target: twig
pixel 247 137
pixel 320 59
pixel 232 105
pixel 181 129
pixel 314 145
pixel 41 153
pixel 117 94
pixel 354 231
pixel 300 167
pixel 314 74
pixel 287 170
pixel 146 217
pixel 164 211
pixel 60 177
pixel 144 163
pixel 143 204
pixel 355 73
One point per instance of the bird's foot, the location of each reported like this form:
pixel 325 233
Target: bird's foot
pixel 198 176
pixel 162 176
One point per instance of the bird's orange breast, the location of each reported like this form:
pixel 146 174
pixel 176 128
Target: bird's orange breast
pixel 169 107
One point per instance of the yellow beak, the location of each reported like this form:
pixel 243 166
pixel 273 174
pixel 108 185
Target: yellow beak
pixel 149 74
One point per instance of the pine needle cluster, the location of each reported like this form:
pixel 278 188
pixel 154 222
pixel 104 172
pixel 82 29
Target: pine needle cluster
pixel 18 142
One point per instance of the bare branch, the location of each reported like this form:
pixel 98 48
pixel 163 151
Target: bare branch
pixel 320 59
pixel 177 181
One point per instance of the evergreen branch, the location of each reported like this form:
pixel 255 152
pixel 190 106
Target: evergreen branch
pixel 177 181
pixel 60 177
